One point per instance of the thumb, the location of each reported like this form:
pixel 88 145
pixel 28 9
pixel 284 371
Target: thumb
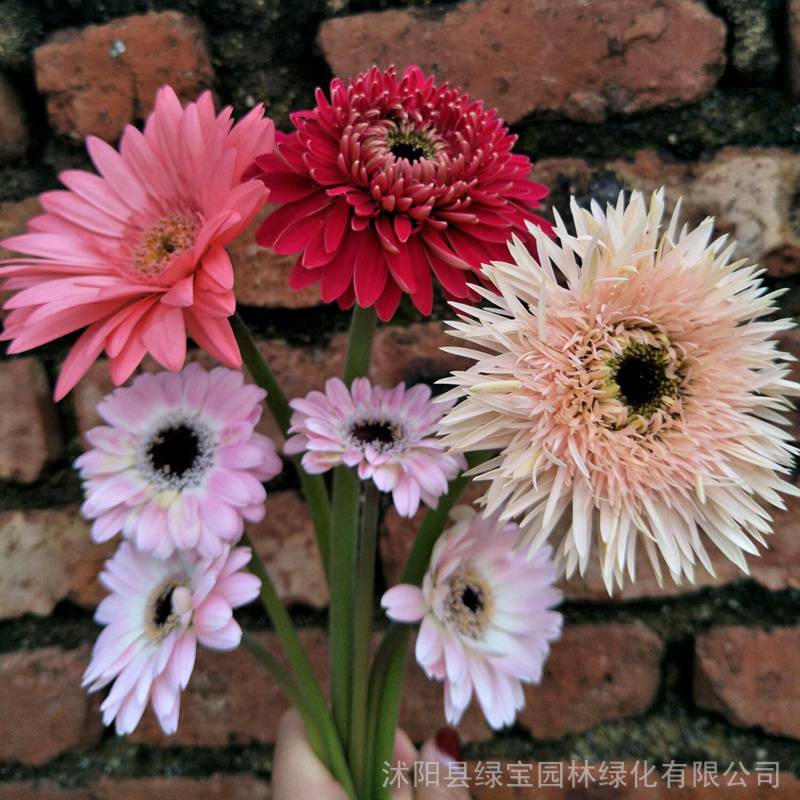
pixel 444 749
pixel 296 771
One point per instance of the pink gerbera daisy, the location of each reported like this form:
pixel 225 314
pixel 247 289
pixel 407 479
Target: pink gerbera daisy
pixel 157 612
pixel 391 179
pixel 486 616
pixel 637 398
pixel 179 465
pixel 387 433
pixel 137 257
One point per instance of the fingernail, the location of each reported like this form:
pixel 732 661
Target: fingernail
pixel 449 744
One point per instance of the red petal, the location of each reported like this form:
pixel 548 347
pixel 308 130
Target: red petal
pixel 338 275
pixel 274 224
pixel 336 224
pixel 370 272
pixel 300 277
pixel 388 301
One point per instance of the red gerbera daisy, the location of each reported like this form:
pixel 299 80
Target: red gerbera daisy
pixel 389 180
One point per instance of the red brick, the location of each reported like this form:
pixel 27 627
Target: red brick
pixel 47 556
pixel 29 436
pixel 595 673
pixel 101 77
pixel 13 128
pixel 215 787
pixel 43 710
pixel 231 699
pixel 748 675
pixel 286 542
pixel 611 56
pixel 262 276
pixel 682 785
pixel 13 218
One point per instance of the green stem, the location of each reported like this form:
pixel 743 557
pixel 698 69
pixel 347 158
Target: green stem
pixel 386 679
pixel 342 569
pixel 362 631
pixel 359 343
pixel 292 691
pixel 313 486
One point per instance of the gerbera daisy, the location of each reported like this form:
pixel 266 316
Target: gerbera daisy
pixel 640 394
pixel 486 616
pixel 157 612
pixel 179 465
pixel 136 257
pixel 390 179
pixel 387 433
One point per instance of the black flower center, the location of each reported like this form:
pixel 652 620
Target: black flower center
pixel 174 450
pixel 412 146
pixel 378 432
pixel 641 373
pixel 472 599
pixel 163 607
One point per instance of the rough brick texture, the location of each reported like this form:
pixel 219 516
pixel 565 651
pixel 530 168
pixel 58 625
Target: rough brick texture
pixel 43 710
pixel 29 437
pixel 13 127
pixel 750 676
pixel 581 60
pixel 101 77
pixel 47 556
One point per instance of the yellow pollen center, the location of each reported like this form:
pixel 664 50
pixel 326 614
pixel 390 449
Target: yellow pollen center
pixel 469 605
pixel 161 243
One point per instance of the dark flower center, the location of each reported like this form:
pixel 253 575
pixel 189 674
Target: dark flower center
pixel 378 432
pixel 411 146
pixel 163 607
pixel 641 375
pixel 472 599
pixel 174 450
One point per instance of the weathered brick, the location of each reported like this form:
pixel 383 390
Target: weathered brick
pixel 13 127
pixel 595 673
pixel 231 699
pixel 101 77
pixel 286 542
pixel 213 787
pixel 47 556
pixel 13 218
pixel 748 674
pixel 262 276
pixel 619 57
pixel 43 710
pixel 751 192
pixel 29 434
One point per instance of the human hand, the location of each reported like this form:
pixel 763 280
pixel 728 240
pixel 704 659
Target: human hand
pixel 297 772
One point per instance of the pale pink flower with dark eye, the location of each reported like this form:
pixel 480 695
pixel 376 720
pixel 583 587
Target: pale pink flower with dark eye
pixel 156 614
pixel 389 434
pixel 486 612
pixel 391 182
pixel 137 257
pixel 179 465
pixel 636 399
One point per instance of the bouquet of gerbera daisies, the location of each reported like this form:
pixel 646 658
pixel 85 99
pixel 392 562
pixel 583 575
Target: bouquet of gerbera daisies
pixel 626 391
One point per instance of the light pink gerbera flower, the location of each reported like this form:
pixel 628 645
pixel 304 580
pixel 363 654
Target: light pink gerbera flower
pixel 640 395
pixel 392 179
pixel 387 433
pixel 179 465
pixel 486 616
pixel 157 612
pixel 137 256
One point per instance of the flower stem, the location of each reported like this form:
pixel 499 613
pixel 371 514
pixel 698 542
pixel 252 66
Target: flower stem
pixel 314 489
pixel 386 679
pixel 321 736
pixel 362 631
pixel 342 569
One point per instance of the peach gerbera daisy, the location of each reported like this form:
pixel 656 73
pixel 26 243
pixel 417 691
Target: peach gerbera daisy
pixel 636 397
pixel 137 256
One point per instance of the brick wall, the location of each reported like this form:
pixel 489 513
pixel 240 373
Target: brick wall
pixel 604 94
